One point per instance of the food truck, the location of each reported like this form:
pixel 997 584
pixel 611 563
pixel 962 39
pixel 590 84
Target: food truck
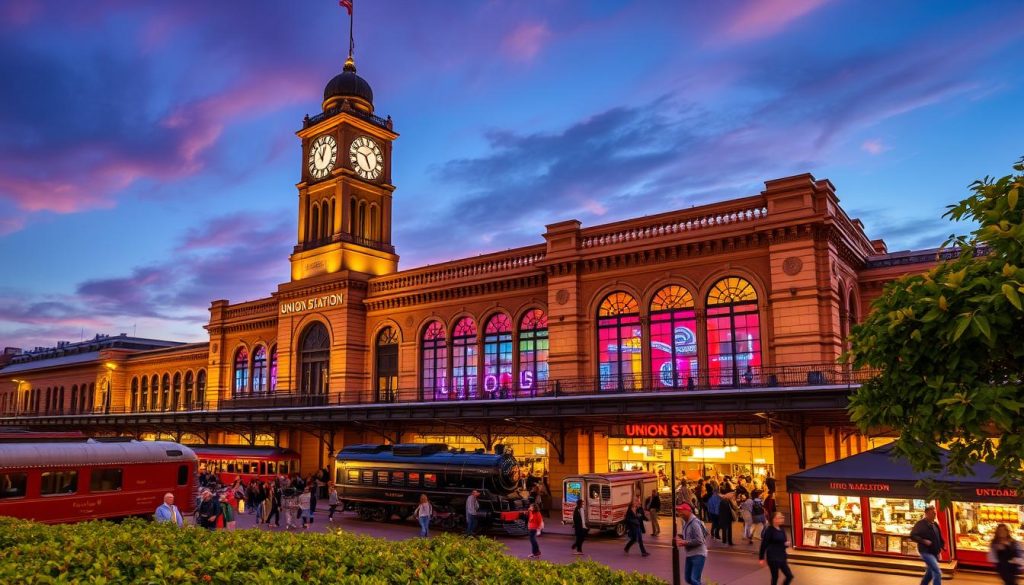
pixel 606 497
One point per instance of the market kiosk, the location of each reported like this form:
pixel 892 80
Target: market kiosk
pixel 867 504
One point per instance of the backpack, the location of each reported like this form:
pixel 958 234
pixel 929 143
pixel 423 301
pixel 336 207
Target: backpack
pixel 758 509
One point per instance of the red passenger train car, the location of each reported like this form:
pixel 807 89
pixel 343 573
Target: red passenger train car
pixel 61 481
pixel 231 462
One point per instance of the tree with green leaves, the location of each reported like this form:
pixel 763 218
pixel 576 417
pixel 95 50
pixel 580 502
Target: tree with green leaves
pixel 949 346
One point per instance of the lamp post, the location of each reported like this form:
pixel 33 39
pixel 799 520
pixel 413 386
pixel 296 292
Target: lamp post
pixel 672 445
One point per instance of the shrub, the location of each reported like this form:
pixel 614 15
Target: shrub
pixel 102 553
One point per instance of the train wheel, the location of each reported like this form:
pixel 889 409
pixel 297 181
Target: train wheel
pixel 378 514
pixel 363 513
pixel 620 529
pixel 450 522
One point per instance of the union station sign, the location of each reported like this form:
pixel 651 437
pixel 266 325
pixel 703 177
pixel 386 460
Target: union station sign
pixel 312 304
pixel 674 430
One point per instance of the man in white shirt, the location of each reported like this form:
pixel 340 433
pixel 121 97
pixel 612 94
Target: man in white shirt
pixel 168 512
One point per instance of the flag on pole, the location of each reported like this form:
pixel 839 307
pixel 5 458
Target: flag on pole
pixel 347 5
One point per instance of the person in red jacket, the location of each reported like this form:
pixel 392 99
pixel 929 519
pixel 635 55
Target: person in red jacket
pixel 533 522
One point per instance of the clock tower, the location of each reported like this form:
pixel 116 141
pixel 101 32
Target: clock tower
pixel 345 192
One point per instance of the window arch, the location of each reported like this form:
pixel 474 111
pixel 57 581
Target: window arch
pixel 60 401
pixel 733 332
pixel 371 231
pixel 673 338
pixel 314 360
pixel 154 392
pixel 329 222
pixel 315 230
pixel 273 369
pixel 353 223
pixel 619 342
pixel 259 369
pixel 464 358
pixel 91 401
pixel 190 390
pixel 362 219
pixel 176 392
pixel 144 395
pixel 533 350
pixel 74 398
pixel 165 391
pixel 434 353
pixel 498 354
pixel 135 394
pixel 241 370
pixel 201 389
pixel 386 354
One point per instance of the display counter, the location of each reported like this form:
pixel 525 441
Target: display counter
pixel 974 524
pixel 892 520
pixel 831 522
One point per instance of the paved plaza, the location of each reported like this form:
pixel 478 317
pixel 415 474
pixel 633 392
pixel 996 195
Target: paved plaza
pixel 726 565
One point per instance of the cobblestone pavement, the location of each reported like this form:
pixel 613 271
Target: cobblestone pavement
pixel 726 565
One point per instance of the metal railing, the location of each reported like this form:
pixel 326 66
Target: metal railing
pixel 371 118
pixel 345 237
pixel 795 376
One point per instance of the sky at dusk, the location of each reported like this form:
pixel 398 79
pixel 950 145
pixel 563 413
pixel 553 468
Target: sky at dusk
pixel 148 159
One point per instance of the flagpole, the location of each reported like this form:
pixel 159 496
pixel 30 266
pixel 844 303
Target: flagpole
pixel 351 22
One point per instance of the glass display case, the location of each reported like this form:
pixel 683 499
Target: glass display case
pixel 891 522
pixel 832 522
pixel 976 523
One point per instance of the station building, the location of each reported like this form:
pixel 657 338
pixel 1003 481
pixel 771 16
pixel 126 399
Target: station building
pixel 718 325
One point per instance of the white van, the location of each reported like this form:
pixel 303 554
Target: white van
pixel 606 497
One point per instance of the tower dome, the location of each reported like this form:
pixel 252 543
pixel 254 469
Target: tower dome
pixel 347 85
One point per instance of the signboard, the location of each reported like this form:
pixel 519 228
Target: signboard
pixel 312 303
pixel 673 430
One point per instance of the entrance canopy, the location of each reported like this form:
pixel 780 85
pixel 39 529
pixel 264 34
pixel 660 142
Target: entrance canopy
pixel 880 472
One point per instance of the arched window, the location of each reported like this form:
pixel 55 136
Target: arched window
pixel 60 401
pixel 74 398
pixel 673 338
pixel 241 372
pixel 328 218
pixel 135 394
pixel 259 369
pixel 464 358
pixel 315 231
pixel 619 338
pixel 315 360
pixel 91 402
pixel 353 222
pixel 734 333
pixel 165 392
pixel 371 231
pixel 498 354
pixel 201 389
pixel 154 393
pixel 190 390
pixel 533 350
pixel 362 219
pixel 434 352
pixel 386 353
pixel 46 401
pixel 176 392
pixel 273 369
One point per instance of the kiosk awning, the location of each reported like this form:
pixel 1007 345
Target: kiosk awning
pixel 879 472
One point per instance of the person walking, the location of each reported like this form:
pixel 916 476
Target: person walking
pixel 758 513
pixel 773 550
pixel 168 512
pixel 273 505
pixel 635 527
pixel 332 501
pixel 713 502
pixel 928 536
pixel 747 515
pixel 314 491
pixel 289 507
pixel 579 527
pixel 423 513
pixel 534 520
pixel 653 506
pixel 208 511
pixel 228 510
pixel 1006 554
pixel 693 539
pixel 472 509
pixel 726 516
pixel 305 503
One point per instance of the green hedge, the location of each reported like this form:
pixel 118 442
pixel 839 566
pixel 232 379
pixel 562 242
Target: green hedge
pixel 101 553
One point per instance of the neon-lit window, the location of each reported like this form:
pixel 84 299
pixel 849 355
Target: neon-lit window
pixel 435 361
pixel 673 338
pixel 241 371
pixel 259 369
pixel 533 350
pixel 734 333
pixel 273 369
pixel 619 340
pixel 464 358
pixel 498 354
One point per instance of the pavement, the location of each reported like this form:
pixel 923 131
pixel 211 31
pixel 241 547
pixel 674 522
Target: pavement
pixel 736 565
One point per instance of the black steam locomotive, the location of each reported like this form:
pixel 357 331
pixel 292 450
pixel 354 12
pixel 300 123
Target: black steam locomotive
pixel 383 481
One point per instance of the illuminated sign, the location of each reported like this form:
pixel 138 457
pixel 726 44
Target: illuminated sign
pixel 713 430
pixel 859 486
pixel 312 304
pixel 996 492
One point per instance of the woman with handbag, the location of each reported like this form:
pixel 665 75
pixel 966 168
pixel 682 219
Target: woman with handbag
pixel 1006 554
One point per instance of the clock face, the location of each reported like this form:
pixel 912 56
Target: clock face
pixel 367 159
pixel 322 155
